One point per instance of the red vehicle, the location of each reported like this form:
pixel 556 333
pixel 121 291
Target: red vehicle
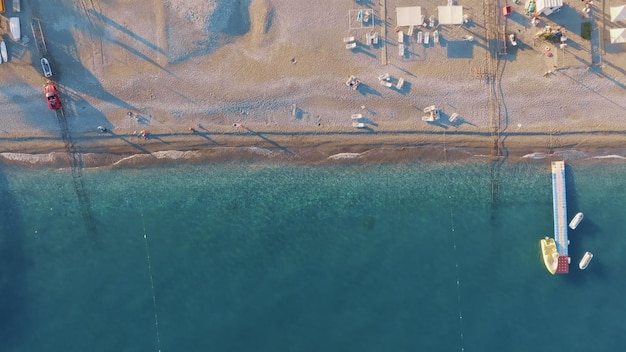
pixel 54 103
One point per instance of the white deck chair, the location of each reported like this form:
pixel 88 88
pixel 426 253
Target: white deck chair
pixel 436 36
pixel 400 37
pixel 411 29
pixel 419 36
pixel 453 117
pixel 348 39
pixel 426 38
pixel 401 49
pixel 400 83
pixel 356 116
pixel 385 83
pixel 375 38
pixel 350 46
pixel 358 124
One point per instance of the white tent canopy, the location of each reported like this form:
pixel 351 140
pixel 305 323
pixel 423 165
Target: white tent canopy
pixel 450 14
pixel 547 7
pixel 618 13
pixel 409 16
pixel 618 35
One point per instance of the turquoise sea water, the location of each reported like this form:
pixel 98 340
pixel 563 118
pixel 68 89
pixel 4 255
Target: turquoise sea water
pixel 260 257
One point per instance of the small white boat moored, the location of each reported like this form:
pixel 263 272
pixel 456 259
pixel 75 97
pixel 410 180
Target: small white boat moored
pixel 14 24
pixel 45 66
pixel 575 221
pixel 585 260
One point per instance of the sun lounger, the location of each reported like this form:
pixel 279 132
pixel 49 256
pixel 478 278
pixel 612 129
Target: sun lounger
pixel 356 116
pixel 453 117
pixel 384 77
pixel 358 124
pixel 426 38
pixel 436 36
pixel 400 83
pixel 348 39
pixel 401 49
pixel 411 28
pixel 429 109
pixel 350 46
pixel 386 84
pixel 419 36
pixel 400 37
pixel 428 118
pixel 368 39
pixel 375 38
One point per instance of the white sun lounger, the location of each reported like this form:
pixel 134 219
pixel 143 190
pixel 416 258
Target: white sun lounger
pixel 426 38
pixel 436 36
pixel 358 124
pixel 401 37
pixel 419 36
pixel 385 83
pixel 384 77
pixel 356 116
pixel 400 83
pixel 350 46
pixel 453 117
pixel 401 49
pixel 411 29
pixel 348 39
pixel 375 38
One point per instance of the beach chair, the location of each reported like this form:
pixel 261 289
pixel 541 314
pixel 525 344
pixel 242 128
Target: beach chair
pixel 368 39
pixel 350 46
pixel 411 29
pixel 429 109
pixel 375 38
pixel 419 36
pixel 453 117
pixel 356 116
pixel 401 49
pixel 349 39
pixel 400 83
pixel 400 37
pixel 436 36
pixel 384 77
pixel 385 83
pixel 426 38
pixel 358 124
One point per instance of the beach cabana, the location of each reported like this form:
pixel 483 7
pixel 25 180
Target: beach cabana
pixel 450 14
pixel 409 16
pixel 548 7
pixel 618 35
pixel 618 13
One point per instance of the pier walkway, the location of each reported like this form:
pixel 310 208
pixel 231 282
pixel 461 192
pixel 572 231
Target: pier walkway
pixel 559 204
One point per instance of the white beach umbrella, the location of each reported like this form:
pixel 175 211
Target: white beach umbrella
pixel 618 35
pixel 618 13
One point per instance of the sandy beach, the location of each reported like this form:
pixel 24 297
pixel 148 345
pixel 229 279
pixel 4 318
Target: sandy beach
pixel 235 80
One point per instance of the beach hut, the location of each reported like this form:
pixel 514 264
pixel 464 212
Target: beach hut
pixel 547 7
pixel 450 14
pixel 618 35
pixel 409 16
pixel 618 13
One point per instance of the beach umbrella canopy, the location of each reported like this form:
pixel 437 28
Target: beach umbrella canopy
pixel 409 16
pixel 618 13
pixel 618 35
pixel 450 14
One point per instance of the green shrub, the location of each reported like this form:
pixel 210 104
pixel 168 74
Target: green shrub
pixel 585 30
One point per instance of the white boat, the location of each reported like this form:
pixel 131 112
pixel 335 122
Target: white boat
pixel 3 52
pixel 575 221
pixel 45 66
pixel 14 23
pixel 549 254
pixel 585 261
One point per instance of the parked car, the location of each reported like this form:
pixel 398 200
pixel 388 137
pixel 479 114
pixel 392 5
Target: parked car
pixel 52 96
pixel 45 65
